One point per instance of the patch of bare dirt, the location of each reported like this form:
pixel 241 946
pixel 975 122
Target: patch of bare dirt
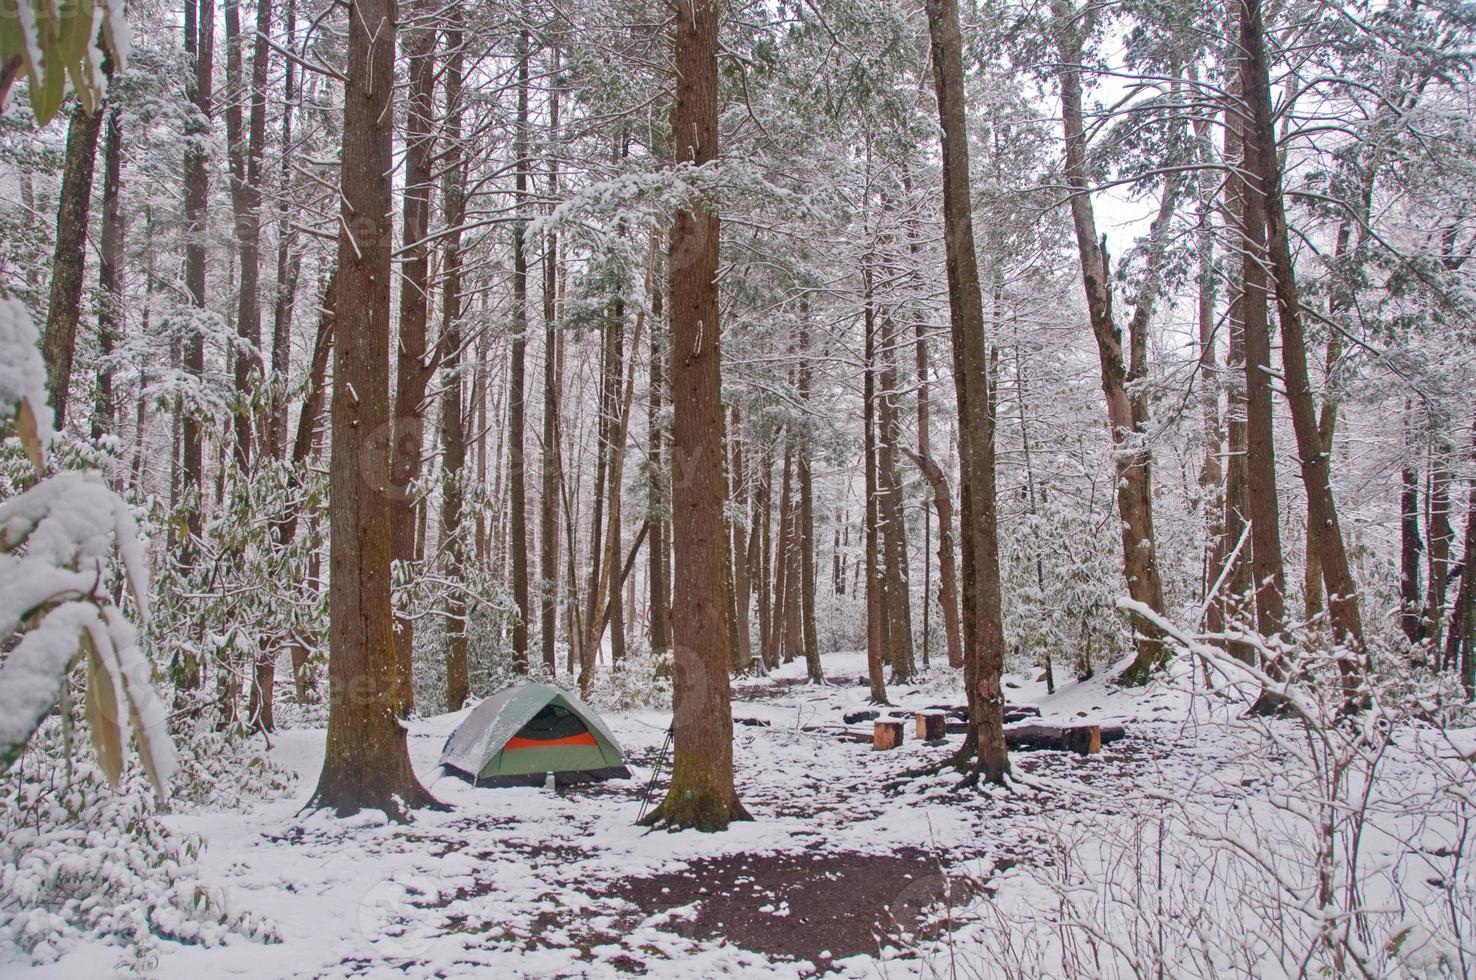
pixel 814 906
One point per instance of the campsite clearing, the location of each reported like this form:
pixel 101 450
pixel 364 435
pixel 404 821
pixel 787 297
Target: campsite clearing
pixel 843 856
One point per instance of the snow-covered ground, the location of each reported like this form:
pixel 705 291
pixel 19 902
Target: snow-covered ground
pixel 843 850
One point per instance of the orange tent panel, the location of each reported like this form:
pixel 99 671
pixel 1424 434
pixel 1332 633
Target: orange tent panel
pixel 516 742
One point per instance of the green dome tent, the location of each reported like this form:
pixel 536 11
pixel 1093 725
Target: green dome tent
pixel 517 736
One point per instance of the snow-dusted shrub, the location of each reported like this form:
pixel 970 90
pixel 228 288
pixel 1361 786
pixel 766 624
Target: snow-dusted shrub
pixel 424 592
pixel 64 537
pixel 226 768
pixel 1316 842
pixel 79 859
pixel 840 620
pixel 641 680
pixel 1058 602
pixel 243 590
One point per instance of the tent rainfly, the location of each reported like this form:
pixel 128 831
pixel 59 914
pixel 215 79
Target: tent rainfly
pixel 518 736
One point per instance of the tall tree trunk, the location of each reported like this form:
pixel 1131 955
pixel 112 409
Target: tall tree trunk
pixel 516 416
pixel 779 608
pixel 1460 639
pixel 589 644
pixel 140 403
pixel 609 591
pixel 453 551
pixel 613 570
pixel 109 274
pixel 312 403
pixel 809 633
pixel 1442 536
pixel 893 524
pixel 701 794
pixel 289 262
pixel 658 577
pixel 1210 471
pixel 742 586
pixel 246 145
pixel 1410 545
pixel 59 341
pixel 1260 443
pixel 549 461
pixel 763 524
pixel 200 45
pixel 1327 422
pixel 243 360
pixel 979 523
pixel 837 575
pixel 367 763
pixel 1322 508
pixel 1132 459
pixel 1230 603
pixel 453 414
pixel 877 649
pixel 413 367
pixel 793 634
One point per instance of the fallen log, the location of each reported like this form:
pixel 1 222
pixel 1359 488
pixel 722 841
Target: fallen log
pixel 1012 712
pixel 1083 739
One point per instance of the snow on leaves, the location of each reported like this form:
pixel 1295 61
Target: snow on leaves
pixel 57 543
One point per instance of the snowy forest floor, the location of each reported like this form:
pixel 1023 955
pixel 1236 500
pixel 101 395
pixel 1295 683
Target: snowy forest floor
pixel 844 852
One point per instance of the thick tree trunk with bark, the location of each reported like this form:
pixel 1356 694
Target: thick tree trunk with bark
pixel 1322 508
pixel 979 526
pixel 367 764
pixel 893 525
pixel 1269 575
pixel 59 342
pixel 453 421
pixel 1131 458
pixel 549 463
pixel 412 364
pixel 1232 602
pixel 701 794
pixel 517 413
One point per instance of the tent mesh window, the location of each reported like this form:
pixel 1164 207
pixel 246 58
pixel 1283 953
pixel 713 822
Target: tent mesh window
pixel 552 722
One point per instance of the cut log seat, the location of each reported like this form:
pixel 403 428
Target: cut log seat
pixel 886 735
pixel 931 725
